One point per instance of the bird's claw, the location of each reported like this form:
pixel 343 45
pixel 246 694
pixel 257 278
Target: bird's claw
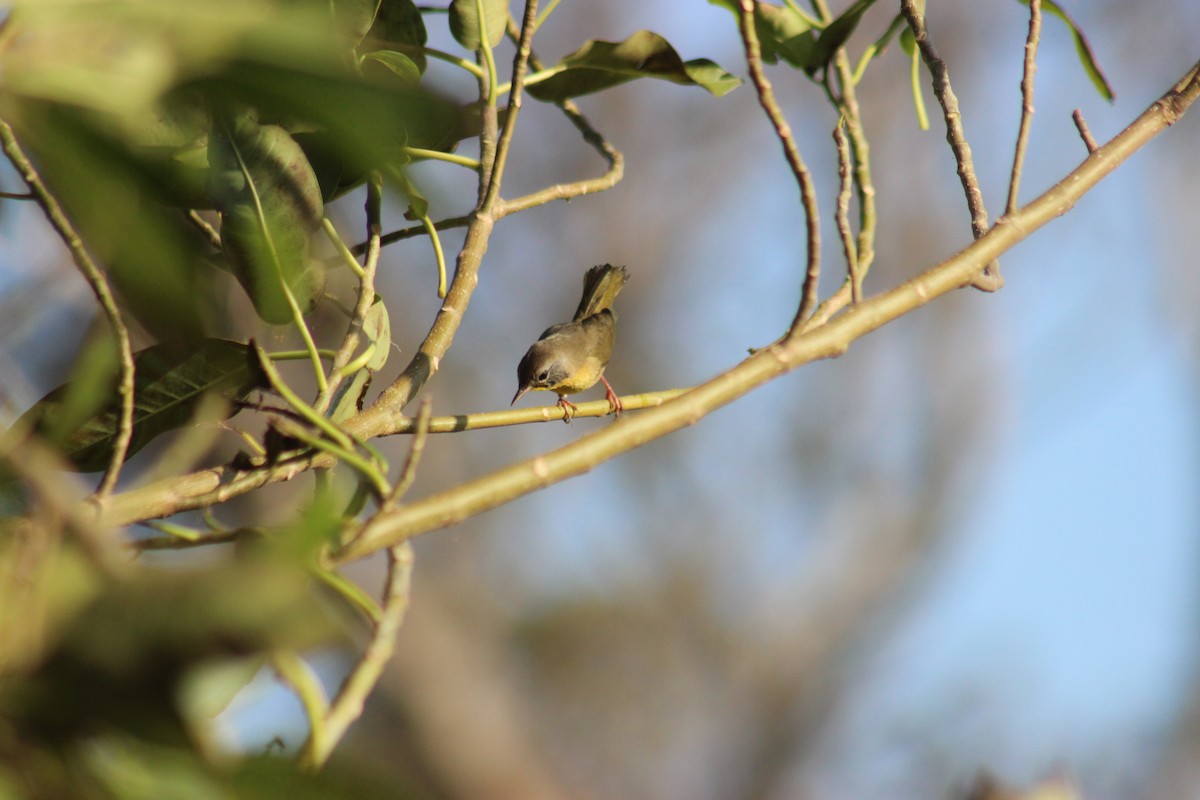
pixel 613 401
pixel 568 408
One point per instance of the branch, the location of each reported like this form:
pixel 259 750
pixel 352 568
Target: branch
pixel 1031 46
pixel 989 279
pixel 841 214
pixel 210 486
pixel 808 192
pixel 104 296
pixel 366 296
pixel 466 272
pixel 347 705
pixel 454 505
pixel 1084 133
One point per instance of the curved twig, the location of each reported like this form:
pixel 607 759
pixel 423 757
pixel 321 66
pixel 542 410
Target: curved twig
pixel 989 279
pixel 783 132
pixel 98 282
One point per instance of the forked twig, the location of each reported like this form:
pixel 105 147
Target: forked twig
pixel 783 132
pixel 989 279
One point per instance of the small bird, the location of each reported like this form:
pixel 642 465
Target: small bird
pixel 571 357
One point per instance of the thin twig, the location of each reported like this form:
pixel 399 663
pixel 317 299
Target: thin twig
pixel 832 339
pixel 427 359
pixel 205 228
pixel 98 282
pixel 1031 46
pixel 847 101
pixel 366 296
pixel 409 473
pixel 568 191
pixel 841 213
pixel 296 673
pixel 808 192
pixel 1088 140
pixel 209 487
pixel 347 705
pixel 989 279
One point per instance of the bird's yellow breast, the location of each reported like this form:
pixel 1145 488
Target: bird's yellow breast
pixel 583 378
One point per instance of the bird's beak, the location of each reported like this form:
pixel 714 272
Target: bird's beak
pixel 519 394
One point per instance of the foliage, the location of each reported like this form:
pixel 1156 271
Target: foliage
pixel 191 150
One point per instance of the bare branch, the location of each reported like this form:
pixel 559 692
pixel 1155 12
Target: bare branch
pixel 1031 46
pixel 989 279
pixel 834 338
pixel 1088 140
pixel 783 131
pixel 841 214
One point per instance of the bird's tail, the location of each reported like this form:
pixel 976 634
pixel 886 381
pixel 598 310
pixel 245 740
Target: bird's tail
pixel 600 287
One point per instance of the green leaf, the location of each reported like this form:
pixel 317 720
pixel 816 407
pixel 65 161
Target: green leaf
pixel 599 65
pixel 168 388
pixel 399 24
pixel 398 64
pixel 115 196
pixel 378 332
pixel 354 16
pixel 782 32
pixel 1086 57
pixel 469 30
pixel 835 35
pixel 270 203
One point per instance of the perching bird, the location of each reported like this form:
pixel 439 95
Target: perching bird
pixel 571 357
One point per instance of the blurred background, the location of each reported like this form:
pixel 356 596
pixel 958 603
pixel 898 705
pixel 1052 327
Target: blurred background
pixel 968 544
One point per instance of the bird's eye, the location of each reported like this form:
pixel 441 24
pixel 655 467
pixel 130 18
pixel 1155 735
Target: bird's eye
pixel 543 375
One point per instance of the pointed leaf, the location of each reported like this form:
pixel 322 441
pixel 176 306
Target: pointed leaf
pixel 270 204
pixel 1086 57
pixel 469 30
pixel 599 65
pixel 168 388
pixel 782 32
pixel 354 16
pixel 398 64
pixel 399 23
pixel 378 332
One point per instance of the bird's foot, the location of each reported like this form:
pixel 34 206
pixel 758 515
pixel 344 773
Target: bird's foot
pixel 568 408
pixel 611 397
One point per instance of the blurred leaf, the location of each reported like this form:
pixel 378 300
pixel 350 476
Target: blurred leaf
pixel 346 124
pixel 782 33
pixel 378 333
pixel 117 200
pixel 399 23
pixel 355 16
pixel 133 770
pixel 469 30
pixel 90 389
pixel 210 687
pixel 169 385
pixel 398 64
pixel 1086 57
pixel 835 35
pixel 121 663
pixel 270 203
pixel 600 65
pixel 120 57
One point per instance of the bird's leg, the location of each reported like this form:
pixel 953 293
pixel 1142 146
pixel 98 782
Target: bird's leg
pixel 568 408
pixel 612 398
